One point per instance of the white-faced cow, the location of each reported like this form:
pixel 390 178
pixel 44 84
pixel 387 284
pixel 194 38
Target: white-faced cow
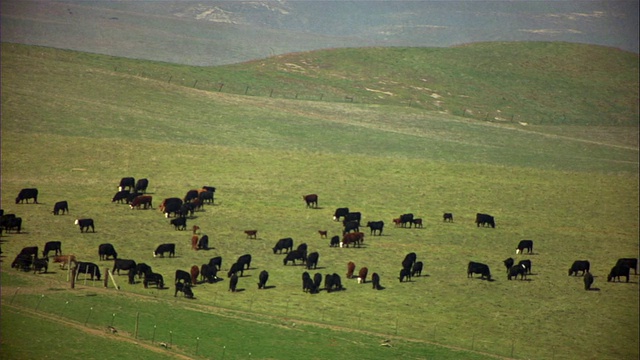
pixel 524 245
pixel 128 183
pixel 85 224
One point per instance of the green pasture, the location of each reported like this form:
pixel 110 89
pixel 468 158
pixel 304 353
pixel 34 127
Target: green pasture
pixel 73 125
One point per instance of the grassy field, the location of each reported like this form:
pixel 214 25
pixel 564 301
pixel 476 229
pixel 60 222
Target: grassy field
pixel 73 125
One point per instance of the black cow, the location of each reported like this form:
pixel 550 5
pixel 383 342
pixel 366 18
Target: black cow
pixel 123 264
pixel 30 250
pixel 293 256
pixel 121 196
pixel 209 273
pixel 405 274
pixel 141 185
pixel 579 265
pixel 203 243
pixel 143 269
pixel 26 194
pixel 588 280
pixel 312 260
pixel 163 248
pixel 375 226
pixel 406 219
pixel 179 223
pixel 335 241
pixel 191 194
pixel 151 278
pixel 517 270
pixel 317 280
pixel 282 244
pixel 132 196
pixel 209 188
pixel 88 268
pixel 11 223
pixel 107 250
pixel 245 260
pixel 216 261
pixel 524 244
pixel 632 263
pixel 171 206
pixel 353 216
pixel 508 263
pixel 60 206
pixel 311 200
pixel 485 220
pixel 40 264
pixel 235 268
pixel 263 277
pixel 375 279
pixel 233 282
pixel 22 262
pixel 206 196
pixel 185 288
pixel 408 261
pixel 55 246
pixel 416 270
pixel 617 271
pixel 127 182
pixel 526 264
pixel 340 212
pixel 182 277
pixel 307 283
pixel 478 268
pixel 350 225
pixel 302 249
pixel 85 224
pixel 447 217
pixel 335 283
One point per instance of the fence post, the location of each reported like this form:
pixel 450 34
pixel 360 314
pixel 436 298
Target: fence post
pixel 88 316
pixel 39 301
pixel 14 295
pixel 246 90
pixel 135 331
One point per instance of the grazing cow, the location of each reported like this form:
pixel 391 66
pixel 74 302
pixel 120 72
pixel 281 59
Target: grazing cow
pixel 26 194
pixel 22 262
pixel 375 279
pixel 195 272
pixel 353 216
pixel 88 268
pixel 447 217
pixel 323 234
pixel 409 260
pixel 617 271
pixel 312 260
pixel 335 241
pixel 30 250
pixel 171 206
pixel 132 275
pixel 396 222
pixel 336 282
pixel 517 270
pixel 508 263
pixel 132 196
pixel 141 185
pixel 143 269
pixel 194 242
pixel 142 200
pixel 127 182
pixel 216 262
pixel 406 219
pixel 60 206
pixel 209 188
pixel 283 244
pixel 245 260
pixel 349 226
pixel 311 200
pixel 107 250
pixel 317 280
pixel 85 224
pixel 233 282
pixel 351 267
pixel 302 249
pixel 340 213
pixel 182 277
pixel 632 263
pixel 64 260
pixel 362 275
pixel 191 194
pixel 185 289
pixel 121 196
pixel 40 264
pixel 417 223
pixel 205 196
pixel 526 264
pixel 352 238
pixel 375 226
pixel 12 223
pixel 203 243
pixel 235 268
pixel 524 244
pixel 588 280
pixel 484 220
pixel 307 283
pixel 163 248
pixel 251 234
pixel 151 278
pixel 123 264
pixel 405 274
pixel 179 223
pixel 209 273
pixel 55 246
pixel 416 270
pixel 478 268
pixel 328 282
pixel 263 277
pixel 579 265
pixel 293 256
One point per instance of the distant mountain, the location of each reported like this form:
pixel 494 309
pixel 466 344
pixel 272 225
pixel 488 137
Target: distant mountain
pixel 223 32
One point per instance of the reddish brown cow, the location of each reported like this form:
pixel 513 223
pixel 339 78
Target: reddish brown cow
pixel 251 234
pixel 397 222
pixel 64 260
pixel 352 238
pixel 194 242
pixel 195 229
pixel 351 267
pixel 144 200
pixel 323 233
pixel 195 272
pixel 362 275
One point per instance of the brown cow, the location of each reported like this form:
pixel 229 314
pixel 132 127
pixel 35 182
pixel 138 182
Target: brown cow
pixel 351 267
pixel 195 272
pixel 362 275
pixel 144 200
pixel 397 222
pixel 64 260
pixel 194 242
pixel 323 233
pixel 251 234
pixel 352 238
pixel 195 229
pixel 417 222
pixel 311 200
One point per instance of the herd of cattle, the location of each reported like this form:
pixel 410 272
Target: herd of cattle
pixel 134 194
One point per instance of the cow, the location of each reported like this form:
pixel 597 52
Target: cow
pixel 107 250
pixel 348 226
pixel 182 277
pixel 302 249
pixel 88 268
pixel 311 200
pixel 203 243
pixel 405 274
pixel 85 224
pixel 179 223
pixel 409 260
pixel 588 280
pixel 307 283
pixel 205 196
pixel 375 280
pixel 64 260
pixel 151 278
pixel 353 216
pixel 132 196
pixel 195 229
pixel 195 272
pixel 13 223
pixel 55 246
pixel 356 238
pixel 185 289
pixel 209 273
pixel 283 244
pixel 478 268
pixel 517 270
pixel 251 234
pixel 323 234
pixel 127 182
pixel 416 270
pixel 524 244
pixel 317 280
pixel 123 264
pixel 22 262
pixel 5 221
pixel 132 275
pixel 312 260
pixel 362 275
pixel 579 265
pixel 40 264
pixel 618 271
pixel 121 196
pixel 351 267
pixel 526 264
pixel 141 185
pixel 143 269
pixel 485 220
pixel 293 256
pixel 142 200
pixel 508 263
pixel 244 260
pixel 340 213
pixel 632 263
pixel 233 282
pixel 30 250
pixel 335 241
pixel 396 222
pixel 406 219
pixel 216 262
pixel 447 217
pixel 263 277
pixel 60 206
pixel 235 268
pixel 194 242
pixel 26 194
pixel 375 226
pixel 164 248
pixel 171 206
pixel 336 282
pixel 417 223
pixel 328 282
pixel 190 195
